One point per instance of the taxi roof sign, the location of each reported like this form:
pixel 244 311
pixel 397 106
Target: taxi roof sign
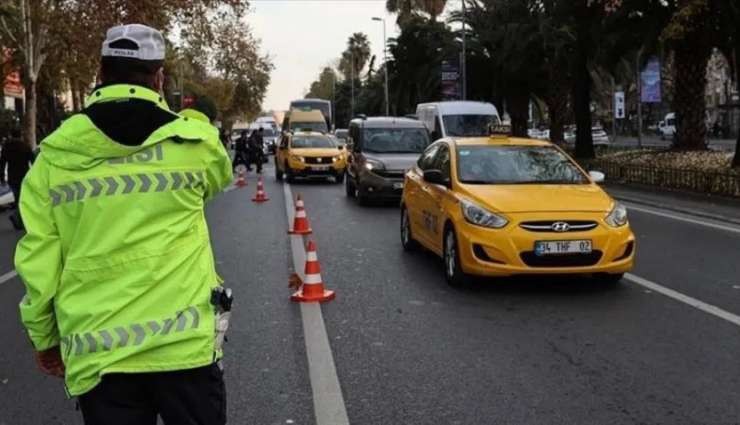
pixel 499 130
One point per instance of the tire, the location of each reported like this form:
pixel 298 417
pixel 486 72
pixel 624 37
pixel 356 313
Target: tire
pixel 278 173
pixel 451 255
pixel 339 178
pixel 610 280
pixel 289 174
pixel 407 241
pixel 349 187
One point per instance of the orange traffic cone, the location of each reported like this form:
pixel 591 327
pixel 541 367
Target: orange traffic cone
pixel 300 222
pixel 241 181
pixel 260 196
pixel 313 287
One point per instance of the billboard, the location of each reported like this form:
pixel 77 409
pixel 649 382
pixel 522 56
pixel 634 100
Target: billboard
pixel 450 80
pixel 650 79
pixel 619 105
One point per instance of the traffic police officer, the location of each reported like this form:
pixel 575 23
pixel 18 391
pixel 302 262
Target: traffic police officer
pixel 117 262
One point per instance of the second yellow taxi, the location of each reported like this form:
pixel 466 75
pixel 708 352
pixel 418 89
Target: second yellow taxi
pixel 309 154
pixel 503 206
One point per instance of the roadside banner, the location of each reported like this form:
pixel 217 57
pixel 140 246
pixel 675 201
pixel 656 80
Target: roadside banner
pixel 450 80
pixel 619 105
pixel 650 78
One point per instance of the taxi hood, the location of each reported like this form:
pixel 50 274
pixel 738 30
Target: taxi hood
pixel 314 152
pixel 539 198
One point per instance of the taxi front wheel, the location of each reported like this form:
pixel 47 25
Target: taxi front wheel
pixel 453 270
pixel 407 241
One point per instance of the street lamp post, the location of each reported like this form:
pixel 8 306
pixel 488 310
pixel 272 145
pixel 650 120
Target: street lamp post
pixel 385 65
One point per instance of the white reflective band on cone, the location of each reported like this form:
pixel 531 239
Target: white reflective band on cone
pixel 313 279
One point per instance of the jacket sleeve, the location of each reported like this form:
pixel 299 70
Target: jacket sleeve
pixel 38 259
pixel 218 168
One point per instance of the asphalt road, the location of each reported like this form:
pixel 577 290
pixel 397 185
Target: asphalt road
pixel 408 349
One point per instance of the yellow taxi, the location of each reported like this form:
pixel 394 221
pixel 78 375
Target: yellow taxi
pixel 501 206
pixel 309 154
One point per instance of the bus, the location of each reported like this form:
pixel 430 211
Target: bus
pixel 319 104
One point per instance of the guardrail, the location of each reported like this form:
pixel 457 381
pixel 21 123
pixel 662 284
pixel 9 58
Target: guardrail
pixel 723 184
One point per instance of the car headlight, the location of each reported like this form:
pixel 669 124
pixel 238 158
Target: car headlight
pixel 298 158
pixel 618 216
pixel 374 165
pixel 480 216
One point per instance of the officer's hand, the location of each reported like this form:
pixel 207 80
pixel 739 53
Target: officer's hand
pixel 50 362
pixel 294 282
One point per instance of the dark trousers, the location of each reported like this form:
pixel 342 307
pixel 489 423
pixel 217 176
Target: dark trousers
pixel 187 397
pixel 241 157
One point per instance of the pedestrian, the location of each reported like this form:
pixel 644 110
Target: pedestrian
pixel 121 289
pixel 202 109
pixel 257 149
pixel 241 152
pixel 17 158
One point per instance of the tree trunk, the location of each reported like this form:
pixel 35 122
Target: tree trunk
pixel 582 106
pixel 691 61
pixel 519 112
pixel 556 100
pixel 29 117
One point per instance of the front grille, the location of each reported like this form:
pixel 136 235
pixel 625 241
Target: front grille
pixel 390 174
pixel 323 160
pixel 547 226
pixel 565 260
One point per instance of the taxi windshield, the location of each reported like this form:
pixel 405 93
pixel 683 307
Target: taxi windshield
pixel 516 165
pixel 313 126
pixel 395 140
pixel 313 142
pixel 469 125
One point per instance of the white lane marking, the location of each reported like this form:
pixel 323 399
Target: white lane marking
pixel 328 401
pixel 8 276
pixel 726 228
pixel 693 302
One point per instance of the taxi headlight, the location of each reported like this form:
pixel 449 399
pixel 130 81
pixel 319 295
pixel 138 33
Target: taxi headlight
pixel 298 158
pixel 618 216
pixel 374 165
pixel 480 216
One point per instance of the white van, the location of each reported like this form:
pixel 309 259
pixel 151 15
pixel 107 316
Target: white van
pixel 667 127
pixel 457 118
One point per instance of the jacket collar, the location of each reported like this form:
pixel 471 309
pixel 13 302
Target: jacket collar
pixel 125 91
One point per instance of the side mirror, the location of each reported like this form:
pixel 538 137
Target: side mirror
pixel 436 177
pixel 597 176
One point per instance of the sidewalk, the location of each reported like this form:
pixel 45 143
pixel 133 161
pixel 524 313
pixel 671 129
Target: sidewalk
pixel 712 207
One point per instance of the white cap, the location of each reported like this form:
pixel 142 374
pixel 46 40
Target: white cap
pixel 149 41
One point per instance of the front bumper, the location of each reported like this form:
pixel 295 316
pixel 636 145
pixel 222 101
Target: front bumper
pixel 510 251
pixel 305 170
pixel 380 186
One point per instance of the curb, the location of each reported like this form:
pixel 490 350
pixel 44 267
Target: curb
pixel 688 211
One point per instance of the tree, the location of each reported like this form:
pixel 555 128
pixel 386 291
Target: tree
pixel 689 35
pixel 325 86
pixel 355 57
pixel 729 43
pixel 29 35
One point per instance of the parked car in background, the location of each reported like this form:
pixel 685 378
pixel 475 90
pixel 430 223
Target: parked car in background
pixel 598 134
pixel 382 150
pixel 342 134
pixel 457 119
pixel 667 127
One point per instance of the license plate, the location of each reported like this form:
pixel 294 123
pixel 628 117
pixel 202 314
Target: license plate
pixel 398 185
pixel 542 248
pixel 320 167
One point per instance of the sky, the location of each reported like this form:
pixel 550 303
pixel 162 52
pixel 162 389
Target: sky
pixel 304 36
